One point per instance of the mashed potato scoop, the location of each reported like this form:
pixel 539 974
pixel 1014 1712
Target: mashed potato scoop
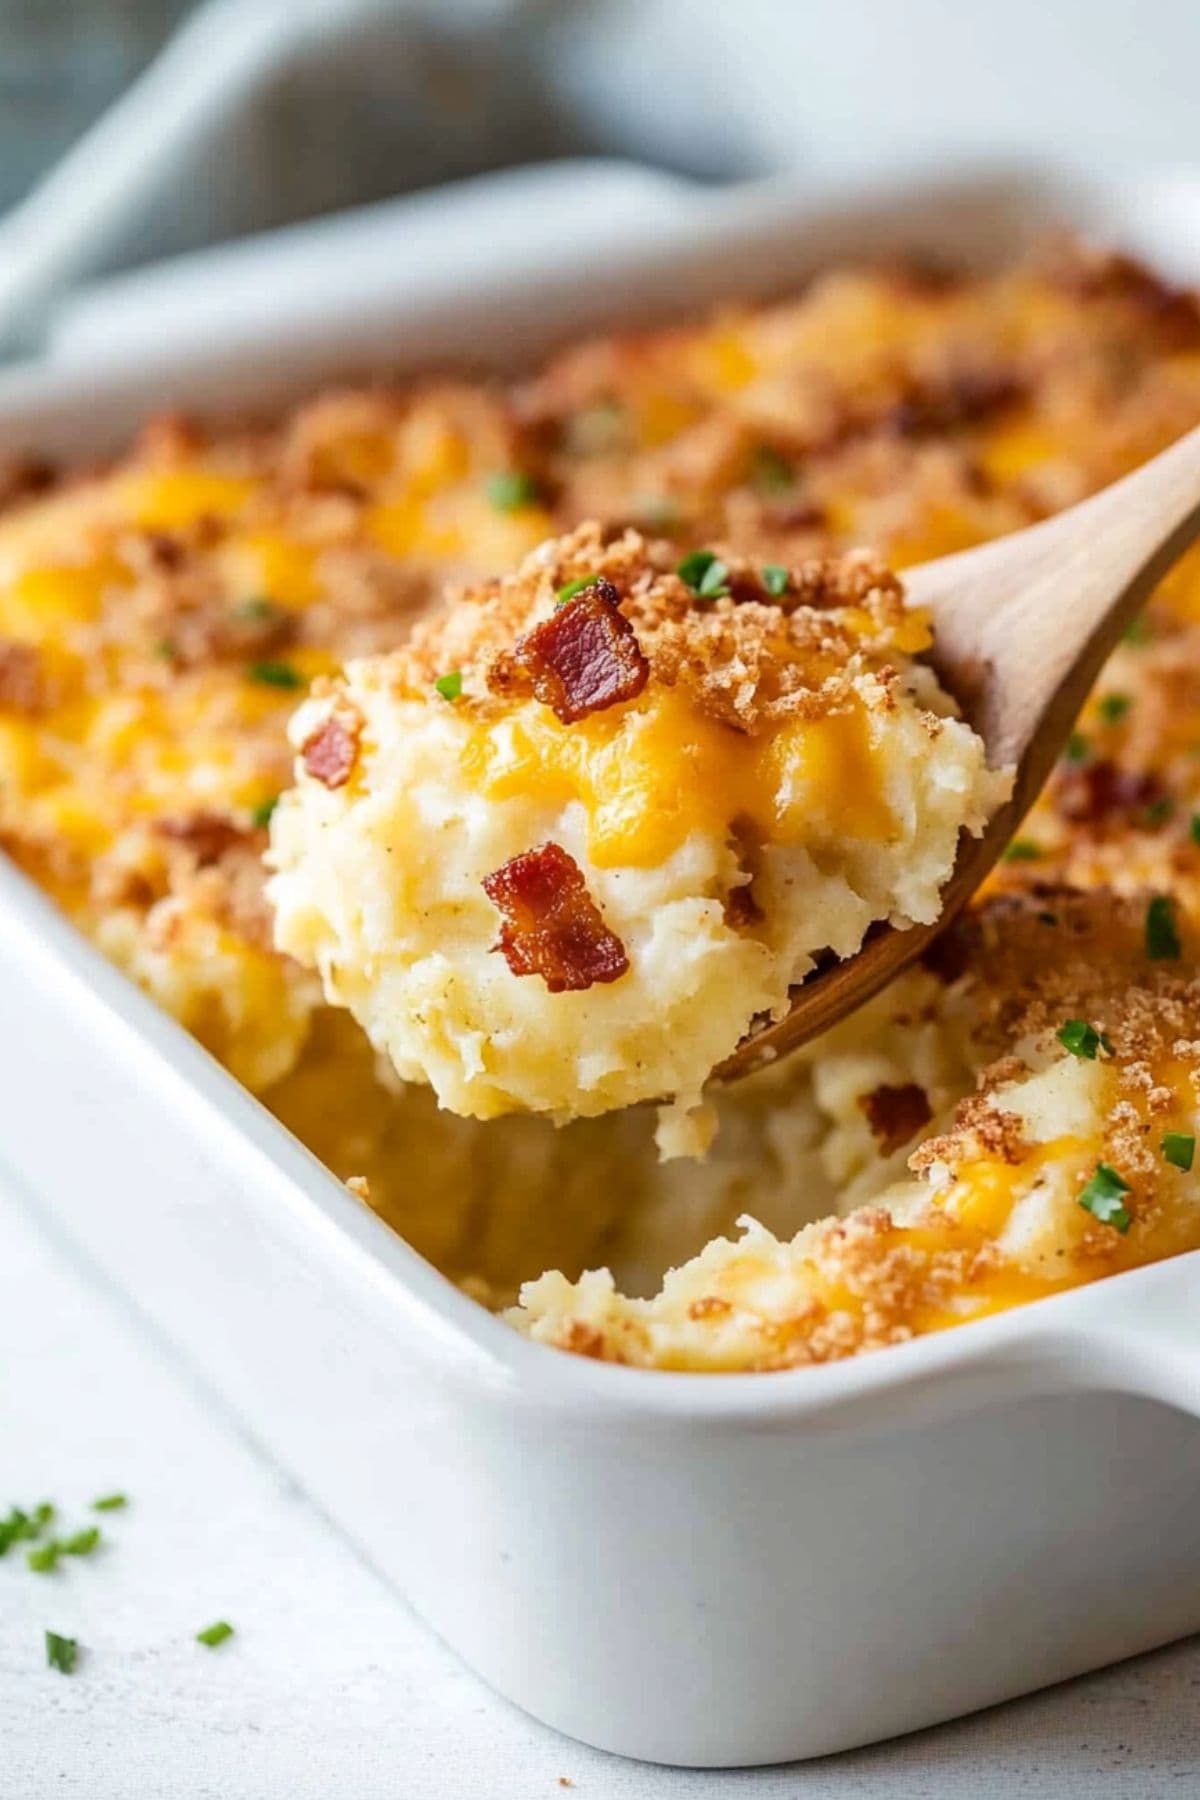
pixel 596 820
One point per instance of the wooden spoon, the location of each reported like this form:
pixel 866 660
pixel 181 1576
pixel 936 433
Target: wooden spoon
pixel 1022 626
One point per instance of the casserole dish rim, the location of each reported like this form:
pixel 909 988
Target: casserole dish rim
pixel 710 223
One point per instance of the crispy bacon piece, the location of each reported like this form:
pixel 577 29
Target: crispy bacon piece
pixel 1097 793
pixel 330 752
pixel 551 925
pixel 207 835
pixel 584 657
pixel 896 1114
pixel 21 685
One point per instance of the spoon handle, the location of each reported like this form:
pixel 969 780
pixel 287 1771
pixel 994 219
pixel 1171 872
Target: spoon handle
pixel 1022 626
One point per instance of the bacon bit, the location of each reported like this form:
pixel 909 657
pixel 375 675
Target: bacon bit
pixel 964 398
pixel 1092 793
pixel 896 1114
pixel 207 835
pixel 551 925
pixel 330 752
pixel 22 688
pixel 585 657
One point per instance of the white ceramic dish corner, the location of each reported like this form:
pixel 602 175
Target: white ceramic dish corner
pixel 701 1570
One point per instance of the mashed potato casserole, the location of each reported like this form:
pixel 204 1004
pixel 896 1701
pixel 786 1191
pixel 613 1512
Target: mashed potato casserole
pixel 1015 1118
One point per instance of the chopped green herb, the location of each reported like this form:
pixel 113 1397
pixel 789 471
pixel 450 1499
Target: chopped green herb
pixel 1162 932
pixel 449 686
pixel 1159 811
pixel 705 574
pixel 1077 748
pixel 1195 828
pixel 274 674
pixel 511 489
pixel 111 1502
pixel 1112 707
pixel 1023 850
pixel 43 1558
pixel 1138 631
pixel 21 1526
pixel 569 589
pixel 1179 1148
pixel 215 1634
pixel 82 1543
pixel 260 818
pixel 771 471
pixel 775 578
pixel 257 608
pixel 1103 1196
pixel 61 1652
pixel 1082 1039
pixel 166 648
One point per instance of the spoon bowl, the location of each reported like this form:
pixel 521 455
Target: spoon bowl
pixel 1021 627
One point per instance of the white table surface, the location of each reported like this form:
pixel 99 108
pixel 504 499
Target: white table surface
pixel 331 1688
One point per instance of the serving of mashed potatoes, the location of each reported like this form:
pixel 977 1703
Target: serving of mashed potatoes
pixel 560 852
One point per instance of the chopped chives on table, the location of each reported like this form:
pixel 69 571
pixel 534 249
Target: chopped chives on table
pixel 62 1653
pixel 43 1558
pixel 1179 1149
pixel 110 1503
pixel 81 1543
pixel 215 1634
pixel 1104 1197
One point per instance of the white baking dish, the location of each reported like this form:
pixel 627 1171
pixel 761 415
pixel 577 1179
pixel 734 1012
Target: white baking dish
pixel 694 1569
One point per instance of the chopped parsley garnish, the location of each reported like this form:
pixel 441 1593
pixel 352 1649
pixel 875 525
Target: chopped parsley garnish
pixel 1104 1197
pixel 1083 1040
pixel 449 686
pixel 257 608
pixel 705 574
pixel 1138 631
pixel 113 1502
pixel 775 578
pixel 61 1652
pixel 1195 828
pixel 771 471
pixel 215 1634
pixel 1179 1149
pixel 511 489
pixel 43 1558
pixel 1159 811
pixel 1077 748
pixel 260 818
pixel 569 589
pixel 1112 707
pixel 274 674
pixel 22 1527
pixel 82 1543
pixel 1023 850
pixel 1162 932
